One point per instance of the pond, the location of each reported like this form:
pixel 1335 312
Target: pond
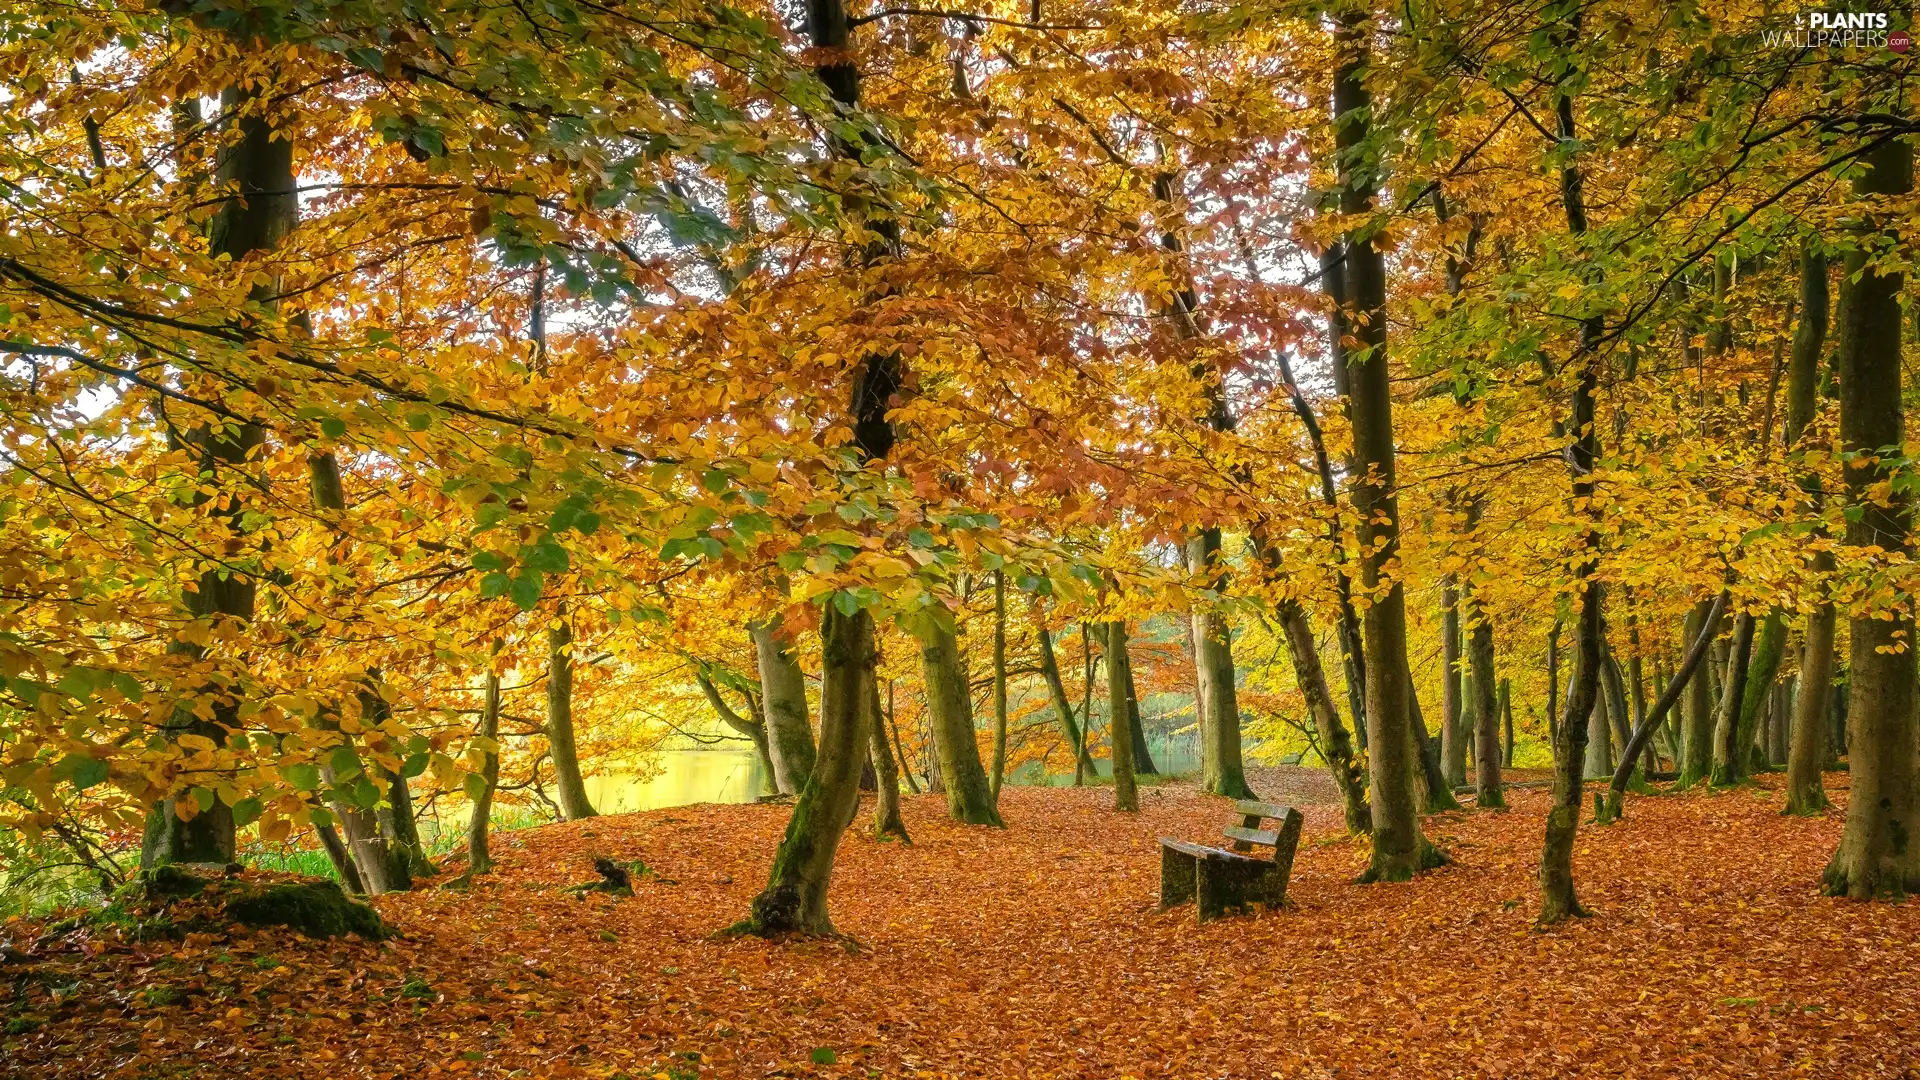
pixel 734 776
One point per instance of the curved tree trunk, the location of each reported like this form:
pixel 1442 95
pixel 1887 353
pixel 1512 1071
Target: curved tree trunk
pixel 1336 746
pixel 1879 853
pixel 1728 750
pixel 1806 793
pixel 569 785
pixel 1453 723
pixel 1696 743
pixel 783 693
pixel 1063 708
pixel 999 773
pixel 479 858
pixel 950 707
pixel 754 729
pixel 1806 752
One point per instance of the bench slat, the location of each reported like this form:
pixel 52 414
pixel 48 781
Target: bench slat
pixel 1269 837
pixel 1255 808
pixel 1202 851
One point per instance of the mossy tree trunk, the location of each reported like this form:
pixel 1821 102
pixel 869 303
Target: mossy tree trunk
pixel 1488 692
pixel 999 773
pixel 1399 848
pixel 1879 852
pixel 1125 796
pixel 570 786
pixel 1762 670
pixel 795 899
pixel 783 694
pixel 950 708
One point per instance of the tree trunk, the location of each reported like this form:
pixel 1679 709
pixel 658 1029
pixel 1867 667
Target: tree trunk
pixel 1489 793
pixel 1697 742
pixel 1125 796
pixel 893 725
pixel 795 899
pixel 1336 746
pixel 755 730
pixel 1453 727
pixel 1729 748
pixel 259 167
pixel 1506 712
pixel 999 684
pixel 1806 752
pixel 950 706
pixel 1434 794
pixel 1879 852
pixel 1761 673
pixel 1142 756
pixel 1599 756
pixel 1063 708
pixel 783 694
pixel 1399 848
pixel 479 859
pixel 1221 771
pixel 567 781
pixel 1557 897
pixel 886 808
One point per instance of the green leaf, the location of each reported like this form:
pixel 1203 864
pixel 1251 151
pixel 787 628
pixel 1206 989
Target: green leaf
pixel 489 561
pixel 413 766
pixel 204 797
pixel 824 1055
pixel 494 584
pixel 81 770
pixel 345 763
pixel 333 427
pixel 545 556
pixel 246 812
pixel 302 777
pixel 525 590
pixel 476 786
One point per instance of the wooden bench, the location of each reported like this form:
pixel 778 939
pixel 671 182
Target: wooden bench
pixel 1222 882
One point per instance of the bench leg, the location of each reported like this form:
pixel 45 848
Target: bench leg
pixel 1178 877
pixel 1221 889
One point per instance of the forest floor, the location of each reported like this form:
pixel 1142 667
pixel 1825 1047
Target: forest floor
pixel 1037 952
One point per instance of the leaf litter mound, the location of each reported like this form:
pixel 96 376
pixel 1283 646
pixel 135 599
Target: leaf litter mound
pixel 1034 952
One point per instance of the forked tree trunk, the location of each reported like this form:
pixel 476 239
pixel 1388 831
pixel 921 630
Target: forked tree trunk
pixel 783 693
pixel 795 899
pixel 950 707
pixel 1879 852
pixel 1125 796
pixel 754 729
pixel 1400 849
pixel 1727 750
pixel 1761 672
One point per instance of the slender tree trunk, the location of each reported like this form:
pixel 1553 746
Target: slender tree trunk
pixel 1612 805
pixel 569 785
pixel 1434 794
pixel 1125 796
pixel 1336 746
pixel 783 693
pixel 1063 708
pixel 1489 792
pixel 950 705
pixel 341 858
pixel 893 725
pixel 1557 896
pixel 1221 770
pixel 479 858
pixel 999 684
pixel 886 808
pixel 1729 750
pixel 1599 757
pixel 1697 743
pixel 1399 848
pixel 1142 756
pixel 1453 726
pixel 754 729
pixel 1506 711
pixel 1879 852
pixel 1761 672
pixel 1806 795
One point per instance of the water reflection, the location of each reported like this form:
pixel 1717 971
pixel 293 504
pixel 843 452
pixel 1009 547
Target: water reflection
pixel 734 776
